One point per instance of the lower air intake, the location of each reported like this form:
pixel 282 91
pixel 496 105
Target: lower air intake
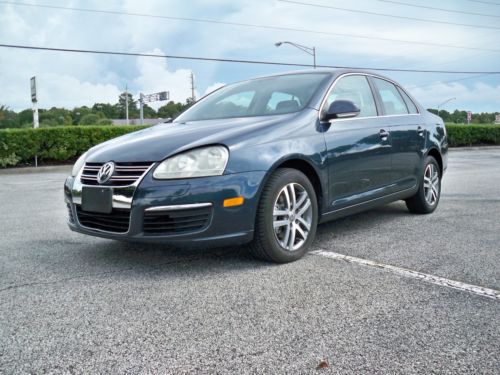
pixel 176 222
pixel 117 221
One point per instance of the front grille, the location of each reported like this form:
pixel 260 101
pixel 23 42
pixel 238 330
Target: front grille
pixel 117 221
pixel 176 222
pixel 124 174
pixel 70 213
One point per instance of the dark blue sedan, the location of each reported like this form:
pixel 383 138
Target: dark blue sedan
pixel 263 162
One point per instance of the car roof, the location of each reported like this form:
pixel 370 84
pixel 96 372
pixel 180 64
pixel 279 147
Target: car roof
pixel 334 72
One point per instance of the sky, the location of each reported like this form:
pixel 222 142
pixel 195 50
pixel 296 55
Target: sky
pixel 70 79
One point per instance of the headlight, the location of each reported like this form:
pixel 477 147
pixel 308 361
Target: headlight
pixel 78 165
pixel 200 162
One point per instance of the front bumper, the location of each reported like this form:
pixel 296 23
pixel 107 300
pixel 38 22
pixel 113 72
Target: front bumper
pixel 225 226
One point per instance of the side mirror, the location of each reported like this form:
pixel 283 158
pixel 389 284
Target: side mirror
pixel 341 109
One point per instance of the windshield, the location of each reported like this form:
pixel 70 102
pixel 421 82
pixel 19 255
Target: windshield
pixel 259 97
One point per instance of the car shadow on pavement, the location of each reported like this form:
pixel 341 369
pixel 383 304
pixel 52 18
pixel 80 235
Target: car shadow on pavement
pixel 103 256
pixel 113 256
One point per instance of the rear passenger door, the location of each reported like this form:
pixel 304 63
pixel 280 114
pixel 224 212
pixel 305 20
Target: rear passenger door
pixel 401 115
pixel 359 148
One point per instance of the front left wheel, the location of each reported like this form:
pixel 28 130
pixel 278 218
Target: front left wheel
pixel 287 217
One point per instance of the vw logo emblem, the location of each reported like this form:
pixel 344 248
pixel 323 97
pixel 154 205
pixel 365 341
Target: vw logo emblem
pixel 106 172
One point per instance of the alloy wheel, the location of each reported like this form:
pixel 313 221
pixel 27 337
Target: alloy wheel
pixel 292 216
pixel 431 184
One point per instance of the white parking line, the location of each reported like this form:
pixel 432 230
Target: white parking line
pixel 479 290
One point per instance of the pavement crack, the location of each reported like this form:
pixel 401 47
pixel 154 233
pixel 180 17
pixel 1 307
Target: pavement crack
pixel 100 274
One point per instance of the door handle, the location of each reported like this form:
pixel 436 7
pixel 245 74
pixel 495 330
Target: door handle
pixel 384 134
pixel 420 131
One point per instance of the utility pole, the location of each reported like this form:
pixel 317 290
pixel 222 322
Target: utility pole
pixel 141 107
pixel 193 97
pixel 126 103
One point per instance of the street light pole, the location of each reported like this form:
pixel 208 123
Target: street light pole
pixel 443 103
pixel 309 50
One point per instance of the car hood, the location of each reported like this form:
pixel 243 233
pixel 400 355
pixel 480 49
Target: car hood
pixel 160 141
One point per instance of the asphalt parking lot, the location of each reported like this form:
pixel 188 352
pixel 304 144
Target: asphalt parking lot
pixel 76 304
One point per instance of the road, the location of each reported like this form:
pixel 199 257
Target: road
pixel 76 304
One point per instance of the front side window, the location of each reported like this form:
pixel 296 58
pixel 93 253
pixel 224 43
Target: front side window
pixel 237 104
pixel 260 97
pixel 356 89
pixel 391 98
pixel 282 102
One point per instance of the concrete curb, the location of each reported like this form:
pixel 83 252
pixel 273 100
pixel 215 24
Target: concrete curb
pixel 44 169
pixel 474 148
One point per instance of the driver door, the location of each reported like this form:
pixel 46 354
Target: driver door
pixel 359 148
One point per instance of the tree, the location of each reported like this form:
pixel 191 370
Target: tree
pixel 170 110
pixel 149 112
pixel 444 114
pixel 483 118
pixel 108 110
pixel 55 117
pixel 8 118
pixel 458 117
pixel 78 112
pixel 89 119
pixel 25 118
pixel 133 112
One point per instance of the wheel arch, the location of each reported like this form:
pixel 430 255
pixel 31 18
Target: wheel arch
pixel 434 152
pixel 307 168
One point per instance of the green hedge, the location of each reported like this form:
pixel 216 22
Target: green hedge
pixel 470 135
pixel 54 144
pixel 62 144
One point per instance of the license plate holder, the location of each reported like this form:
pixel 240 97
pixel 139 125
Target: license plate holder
pixel 97 199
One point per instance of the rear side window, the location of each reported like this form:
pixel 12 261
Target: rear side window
pixel 391 98
pixel 356 89
pixel 412 108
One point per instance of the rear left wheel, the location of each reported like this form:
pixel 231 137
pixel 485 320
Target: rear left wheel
pixel 287 217
pixel 427 197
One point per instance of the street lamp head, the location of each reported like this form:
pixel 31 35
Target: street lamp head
pixel 277 44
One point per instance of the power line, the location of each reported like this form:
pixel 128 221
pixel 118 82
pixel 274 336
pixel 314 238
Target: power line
pixel 484 2
pixel 411 87
pixel 258 26
pixel 262 62
pixel 389 15
pixel 439 9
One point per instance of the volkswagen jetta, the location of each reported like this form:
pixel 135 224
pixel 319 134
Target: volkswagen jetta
pixel 263 162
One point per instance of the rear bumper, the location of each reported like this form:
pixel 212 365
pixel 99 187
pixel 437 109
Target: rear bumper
pixel 225 225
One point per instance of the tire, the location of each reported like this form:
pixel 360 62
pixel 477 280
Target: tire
pixel 426 200
pixel 275 245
